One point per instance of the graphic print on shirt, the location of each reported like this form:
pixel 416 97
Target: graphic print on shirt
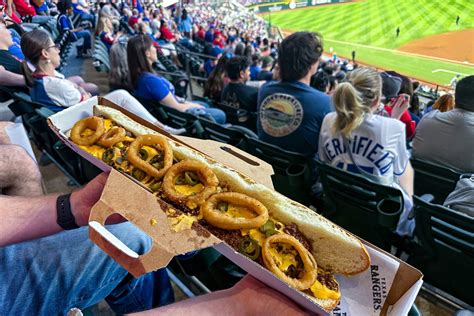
pixel 280 114
pixel 367 153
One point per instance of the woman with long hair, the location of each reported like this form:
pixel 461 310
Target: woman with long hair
pixel 444 103
pixel 141 54
pixel 355 139
pixel 55 92
pixel 119 76
pixel 105 31
pixel 216 81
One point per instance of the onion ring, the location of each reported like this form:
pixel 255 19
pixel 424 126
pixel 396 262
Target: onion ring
pixel 310 266
pixel 150 140
pixel 93 122
pixel 112 136
pixel 219 219
pixel 206 177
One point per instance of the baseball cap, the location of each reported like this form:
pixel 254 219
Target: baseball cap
pixel 216 51
pixel 266 61
pixel 390 85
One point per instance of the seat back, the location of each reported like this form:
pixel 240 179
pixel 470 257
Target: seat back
pixel 445 252
pixel 220 133
pixel 292 170
pixel 363 207
pixel 238 116
pixel 434 179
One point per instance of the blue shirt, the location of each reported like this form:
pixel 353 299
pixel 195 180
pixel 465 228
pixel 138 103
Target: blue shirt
pixel 185 25
pixel 153 87
pixel 209 67
pixel 254 70
pixel 290 115
pixel 15 48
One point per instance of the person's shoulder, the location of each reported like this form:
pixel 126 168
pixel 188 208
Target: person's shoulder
pixel 389 123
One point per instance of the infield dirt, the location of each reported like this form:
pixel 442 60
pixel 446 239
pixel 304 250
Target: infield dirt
pixel 458 46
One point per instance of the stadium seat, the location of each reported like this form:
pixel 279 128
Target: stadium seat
pixel 434 179
pixel 225 134
pixel 444 249
pixel 292 170
pixel 239 116
pixel 365 208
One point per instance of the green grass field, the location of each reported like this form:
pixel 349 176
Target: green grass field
pixel 368 27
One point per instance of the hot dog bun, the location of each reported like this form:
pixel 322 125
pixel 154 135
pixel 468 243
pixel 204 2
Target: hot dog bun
pixel 333 248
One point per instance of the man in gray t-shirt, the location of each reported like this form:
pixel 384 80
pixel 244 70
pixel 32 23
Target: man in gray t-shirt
pixel 448 138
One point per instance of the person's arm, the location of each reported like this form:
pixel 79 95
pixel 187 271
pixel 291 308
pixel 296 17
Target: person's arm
pixel 8 78
pixel 248 297
pixel 26 218
pixel 406 179
pixel 171 102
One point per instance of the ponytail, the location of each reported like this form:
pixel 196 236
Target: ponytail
pixel 27 74
pixel 349 108
pixel 355 97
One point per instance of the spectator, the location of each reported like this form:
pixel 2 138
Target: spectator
pixel 119 76
pixel 377 144
pixel 7 59
pixel 265 74
pixel 216 81
pixel 65 24
pixel 391 90
pixel 255 68
pixel 185 24
pixel 134 19
pixel 105 31
pixel 444 103
pixel 81 8
pixel 448 138
pixel 290 112
pixel 236 94
pixel 51 89
pixel 320 81
pixel 141 54
pixel 211 63
pixel 414 108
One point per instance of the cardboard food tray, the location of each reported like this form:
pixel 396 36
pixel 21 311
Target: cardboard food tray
pixel 388 287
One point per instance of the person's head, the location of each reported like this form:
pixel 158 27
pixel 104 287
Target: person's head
pixel 358 95
pixel 40 50
pixel 299 54
pixel 465 94
pixel 267 62
pixel 119 77
pixel 237 69
pixel 391 86
pixel 141 54
pixel 320 81
pixel 215 81
pixel 255 60
pixel 5 37
pixel 184 15
pixel 104 25
pixel 65 7
pixel 135 12
pixel 406 86
pixel 239 49
pixel 444 103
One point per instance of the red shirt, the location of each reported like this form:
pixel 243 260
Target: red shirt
pixel 201 33
pixel 406 119
pixel 166 33
pixel 132 21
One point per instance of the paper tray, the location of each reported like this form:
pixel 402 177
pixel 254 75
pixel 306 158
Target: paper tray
pixel 388 287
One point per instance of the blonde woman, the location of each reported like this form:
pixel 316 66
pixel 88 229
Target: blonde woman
pixel 377 143
pixel 105 31
pixel 445 103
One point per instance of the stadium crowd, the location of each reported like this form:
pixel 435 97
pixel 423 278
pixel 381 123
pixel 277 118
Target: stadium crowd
pixel 328 109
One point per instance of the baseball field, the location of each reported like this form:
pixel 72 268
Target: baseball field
pixel 430 45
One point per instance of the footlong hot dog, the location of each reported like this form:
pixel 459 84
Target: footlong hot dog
pixel 292 241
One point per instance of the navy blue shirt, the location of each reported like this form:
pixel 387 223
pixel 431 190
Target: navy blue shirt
pixel 290 115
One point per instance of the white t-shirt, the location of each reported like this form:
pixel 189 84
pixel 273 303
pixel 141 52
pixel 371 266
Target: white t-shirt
pixel 378 147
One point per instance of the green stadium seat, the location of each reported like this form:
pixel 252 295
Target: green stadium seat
pixel 444 249
pixel 434 179
pixel 292 170
pixel 225 134
pixel 365 208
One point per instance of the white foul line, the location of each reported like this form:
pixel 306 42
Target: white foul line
pixel 453 72
pixel 467 64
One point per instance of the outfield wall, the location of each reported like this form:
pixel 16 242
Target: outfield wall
pixel 275 5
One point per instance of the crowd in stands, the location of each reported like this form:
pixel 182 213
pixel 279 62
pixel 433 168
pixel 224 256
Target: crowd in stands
pixel 327 109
